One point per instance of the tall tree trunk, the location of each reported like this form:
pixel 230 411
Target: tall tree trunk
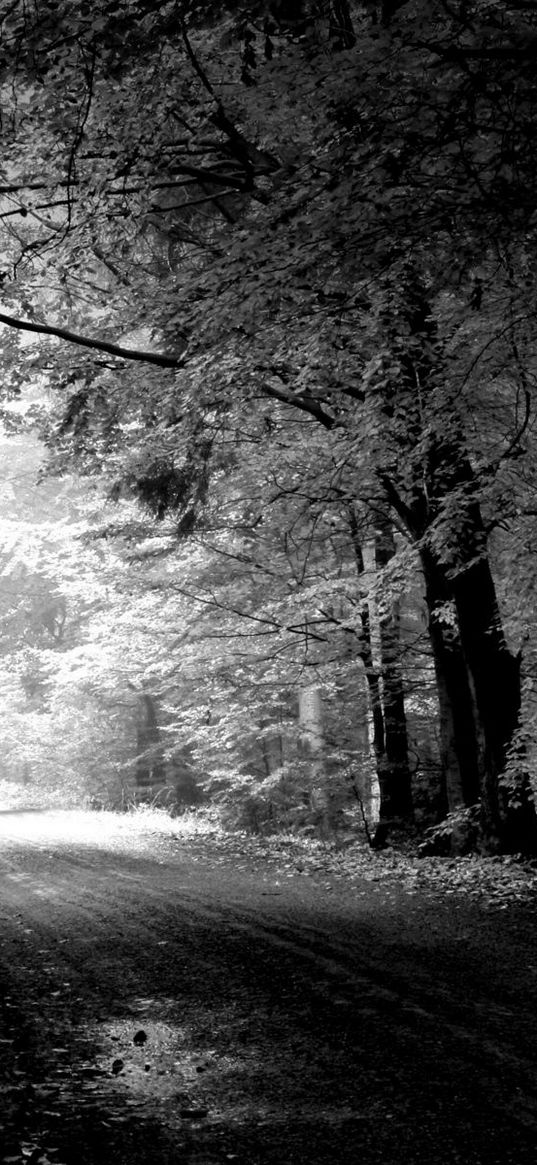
pixel 399 785
pixel 390 741
pixel 365 779
pixel 481 681
pixel 494 679
pixel 270 745
pixel 150 769
pixel 459 749
pixel 310 718
pixel 437 496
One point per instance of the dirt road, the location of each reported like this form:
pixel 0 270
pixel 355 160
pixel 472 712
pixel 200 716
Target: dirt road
pixel 161 1002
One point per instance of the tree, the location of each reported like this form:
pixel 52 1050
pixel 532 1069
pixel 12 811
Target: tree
pixel 350 243
pixel 435 492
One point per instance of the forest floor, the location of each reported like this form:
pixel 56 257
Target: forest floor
pixel 198 999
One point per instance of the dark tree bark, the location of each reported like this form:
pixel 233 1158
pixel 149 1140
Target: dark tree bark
pixel 341 28
pixel 477 676
pixel 494 680
pixel 480 679
pixel 458 745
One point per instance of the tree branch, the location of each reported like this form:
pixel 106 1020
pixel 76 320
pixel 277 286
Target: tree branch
pixel 87 342
pixel 198 68
pixel 306 404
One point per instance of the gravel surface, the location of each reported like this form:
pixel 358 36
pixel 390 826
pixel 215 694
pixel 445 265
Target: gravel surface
pixel 195 1000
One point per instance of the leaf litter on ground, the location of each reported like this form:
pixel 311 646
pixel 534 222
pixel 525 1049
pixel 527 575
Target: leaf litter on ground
pixel 494 881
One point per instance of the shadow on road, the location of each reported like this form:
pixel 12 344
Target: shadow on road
pixel 163 1011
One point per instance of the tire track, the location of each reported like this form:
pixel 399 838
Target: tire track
pixel 116 926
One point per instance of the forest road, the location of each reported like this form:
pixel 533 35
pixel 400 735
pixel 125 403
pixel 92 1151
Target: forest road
pixel 162 1002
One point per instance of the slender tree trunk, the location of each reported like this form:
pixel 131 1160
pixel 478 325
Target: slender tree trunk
pixel 399 790
pixel 149 764
pixel 390 741
pixel 377 716
pixel 271 746
pixel 310 718
pixel 366 777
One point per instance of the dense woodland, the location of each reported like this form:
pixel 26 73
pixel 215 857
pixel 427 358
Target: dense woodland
pixel 269 300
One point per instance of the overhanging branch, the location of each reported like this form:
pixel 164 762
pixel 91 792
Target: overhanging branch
pixel 306 404
pixel 88 342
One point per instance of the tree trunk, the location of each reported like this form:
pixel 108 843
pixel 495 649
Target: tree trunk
pixel 478 678
pixel 508 822
pixel 479 693
pixel 390 741
pixel 341 28
pixel 149 762
pixel 459 748
pixel 271 746
pixel 398 787
pixel 310 718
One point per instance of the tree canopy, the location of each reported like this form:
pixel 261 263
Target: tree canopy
pixel 269 285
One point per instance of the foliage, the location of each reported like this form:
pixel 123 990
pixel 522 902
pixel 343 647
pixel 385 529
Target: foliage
pixel 312 230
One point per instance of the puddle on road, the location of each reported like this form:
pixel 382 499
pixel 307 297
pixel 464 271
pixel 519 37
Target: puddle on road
pixel 147 1068
pixel 145 1061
